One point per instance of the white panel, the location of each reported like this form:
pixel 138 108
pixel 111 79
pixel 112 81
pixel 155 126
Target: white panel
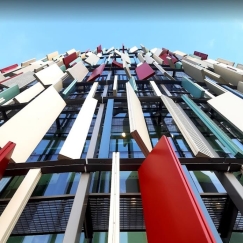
pixel 74 143
pixel 159 68
pixel 109 50
pixel 49 75
pixel 240 87
pixel 225 61
pixel 114 218
pixel 172 65
pixel 92 59
pixel 197 61
pixel 180 53
pixel 156 51
pixel 138 128
pixel 214 76
pixel 93 90
pixel 193 71
pixel 210 62
pixel 166 90
pixel 26 63
pixel 2 100
pixel 99 55
pixel 117 52
pixel 125 57
pixel 71 51
pixel 58 85
pixel 192 135
pixel 28 126
pixel 29 93
pixel 115 86
pixel 78 53
pixel 155 88
pixel 148 58
pixel 127 70
pixel 51 55
pixel 140 57
pixel 212 86
pixel 239 66
pixel 133 49
pixel 230 75
pixel 229 106
pixel 17 203
pixel 158 59
pixel 145 50
pixel 2 77
pixel 78 71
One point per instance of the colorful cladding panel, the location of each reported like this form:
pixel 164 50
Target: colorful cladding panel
pixel 118 64
pixel 99 49
pixel 144 71
pixel 5 155
pixel 9 68
pixel 164 56
pixel 96 73
pixel 10 93
pixel 195 90
pixel 171 210
pixel 68 59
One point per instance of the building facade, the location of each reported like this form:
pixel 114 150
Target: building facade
pixel 125 145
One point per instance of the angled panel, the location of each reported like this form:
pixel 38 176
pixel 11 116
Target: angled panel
pixel 158 59
pixel 26 63
pixel 115 85
pixel 49 75
pixel 212 86
pixel 239 66
pixel 225 62
pixel 167 217
pixel 78 72
pixel 133 83
pixel 109 50
pixel 138 128
pixel 222 137
pixel 145 50
pixel 50 56
pixel 99 49
pixel 29 93
pixel 93 90
pixel 75 61
pixel 17 203
pixel 200 54
pixel 21 128
pixel 125 58
pixel 9 68
pixel 148 58
pixel 69 89
pixel 193 71
pixel 5 156
pixel 180 54
pixel 171 63
pixel 156 51
pixel 192 135
pixel 114 218
pixel 155 88
pixel 194 89
pixel 228 105
pixel 230 75
pixel 96 73
pixel 92 59
pixel 68 59
pixel 74 143
pixel 214 76
pixel 71 51
pixel 140 57
pixel 118 64
pixel 127 70
pixel 133 49
pixel 9 93
pixel 240 87
pixel 144 71
pixel 21 80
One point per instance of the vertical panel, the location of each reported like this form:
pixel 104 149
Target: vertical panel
pixel 114 218
pixel 92 59
pixel 74 143
pixel 96 73
pixel 144 71
pixel 17 203
pixel 49 75
pixel 229 106
pixel 155 88
pixel 115 86
pixel 78 72
pixel 127 70
pixel 133 83
pixel 138 128
pixel 106 133
pixel 51 55
pixel 99 49
pixel 93 90
pixel 173 217
pixel 5 156
pixel 21 128
pixel 29 93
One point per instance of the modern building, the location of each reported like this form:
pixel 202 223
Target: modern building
pixel 125 145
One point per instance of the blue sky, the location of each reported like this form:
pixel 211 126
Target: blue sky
pixel 36 29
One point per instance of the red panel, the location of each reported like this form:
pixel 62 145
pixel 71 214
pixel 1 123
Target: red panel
pixel 200 54
pixel 10 78
pixel 144 71
pixel 163 57
pixel 96 73
pixel 164 50
pixel 69 58
pixel 99 49
pixel 7 69
pixel 118 64
pixel 5 155
pixel 170 208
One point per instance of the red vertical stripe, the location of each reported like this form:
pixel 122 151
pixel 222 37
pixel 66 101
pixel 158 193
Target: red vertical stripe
pixel 5 155
pixel 171 211
pixel 99 49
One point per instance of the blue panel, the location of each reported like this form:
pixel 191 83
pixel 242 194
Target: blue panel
pixel 133 83
pixel 193 89
pixel 106 134
pixel 178 65
pixel 63 68
pixel 69 89
pixel 76 60
pixel 202 205
pixel 10 93
pixel 235 92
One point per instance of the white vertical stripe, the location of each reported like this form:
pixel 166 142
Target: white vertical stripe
pixel 17 204
pixel 115 86
pixel 155 88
